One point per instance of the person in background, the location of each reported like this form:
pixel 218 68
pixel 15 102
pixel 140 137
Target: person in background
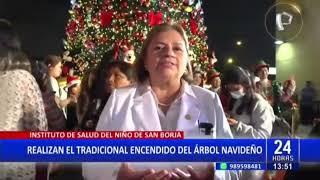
pixel 272 91
pixel 213 77
pixel 162 100
pixel 59 170
pixel 264 85
pixel 54 65
pixel 21 104
pixel 249 114
pixel 198 78
pixel 308 96
pixel 85 98
pixel 120 74
pixel 212 57
pixel 55 117
pixel 289 105
pixel 214 81
pixel 111 73
pixel 252 116
pixel 73 88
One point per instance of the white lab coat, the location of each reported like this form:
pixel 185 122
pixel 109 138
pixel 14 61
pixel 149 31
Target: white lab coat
pixel 256 126
pixel 134 109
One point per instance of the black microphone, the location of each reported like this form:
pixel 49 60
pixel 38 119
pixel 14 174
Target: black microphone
pixel 207 128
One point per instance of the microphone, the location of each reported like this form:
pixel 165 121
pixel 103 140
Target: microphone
pixel 207 127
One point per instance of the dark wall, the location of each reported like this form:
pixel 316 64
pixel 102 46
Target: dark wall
pixel 40 23
pixel 230 20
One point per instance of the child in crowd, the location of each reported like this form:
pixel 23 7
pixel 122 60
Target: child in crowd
pixel 110 74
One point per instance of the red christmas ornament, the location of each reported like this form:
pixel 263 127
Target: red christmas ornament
pixel 105 18
pixel 155 18
pixel 193 26
pixel 71 27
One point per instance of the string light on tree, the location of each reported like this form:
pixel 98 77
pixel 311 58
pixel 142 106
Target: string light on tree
pixel 100 25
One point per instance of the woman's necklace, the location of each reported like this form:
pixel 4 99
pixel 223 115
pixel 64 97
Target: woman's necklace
pixel 164 105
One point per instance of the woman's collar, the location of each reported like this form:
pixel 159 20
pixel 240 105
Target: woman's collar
pixel 146 87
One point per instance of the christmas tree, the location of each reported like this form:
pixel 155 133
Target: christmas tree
pixel 96 26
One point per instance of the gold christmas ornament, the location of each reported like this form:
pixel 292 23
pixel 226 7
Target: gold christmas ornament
pixel 188 9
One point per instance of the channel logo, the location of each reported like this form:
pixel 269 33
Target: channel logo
pixel 283 21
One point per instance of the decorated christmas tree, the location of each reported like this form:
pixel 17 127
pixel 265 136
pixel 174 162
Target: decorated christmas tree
pixel 96 26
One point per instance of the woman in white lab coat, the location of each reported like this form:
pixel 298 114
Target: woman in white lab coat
pixel 162 100
pixel 248 113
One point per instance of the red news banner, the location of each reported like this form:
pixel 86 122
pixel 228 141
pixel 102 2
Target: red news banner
pixel 93 135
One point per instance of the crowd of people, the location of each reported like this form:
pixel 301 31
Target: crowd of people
pixel 154 94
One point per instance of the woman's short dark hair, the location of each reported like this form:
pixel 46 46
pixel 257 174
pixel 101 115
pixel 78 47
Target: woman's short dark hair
pixel 125 68
pixel 52 60
pixel 142 73
pixel 238 75
pixel 108 62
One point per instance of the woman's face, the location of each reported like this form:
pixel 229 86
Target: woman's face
pixel 263 73
pixel 76 90
pixel 197 79
pixel 291 88
pixel 216 82
pixel 116 79
pixel 236 90
pixel 234 87
pixel 166 57
pixel 55 71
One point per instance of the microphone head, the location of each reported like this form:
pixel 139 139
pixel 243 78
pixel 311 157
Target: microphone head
pixel 207 127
